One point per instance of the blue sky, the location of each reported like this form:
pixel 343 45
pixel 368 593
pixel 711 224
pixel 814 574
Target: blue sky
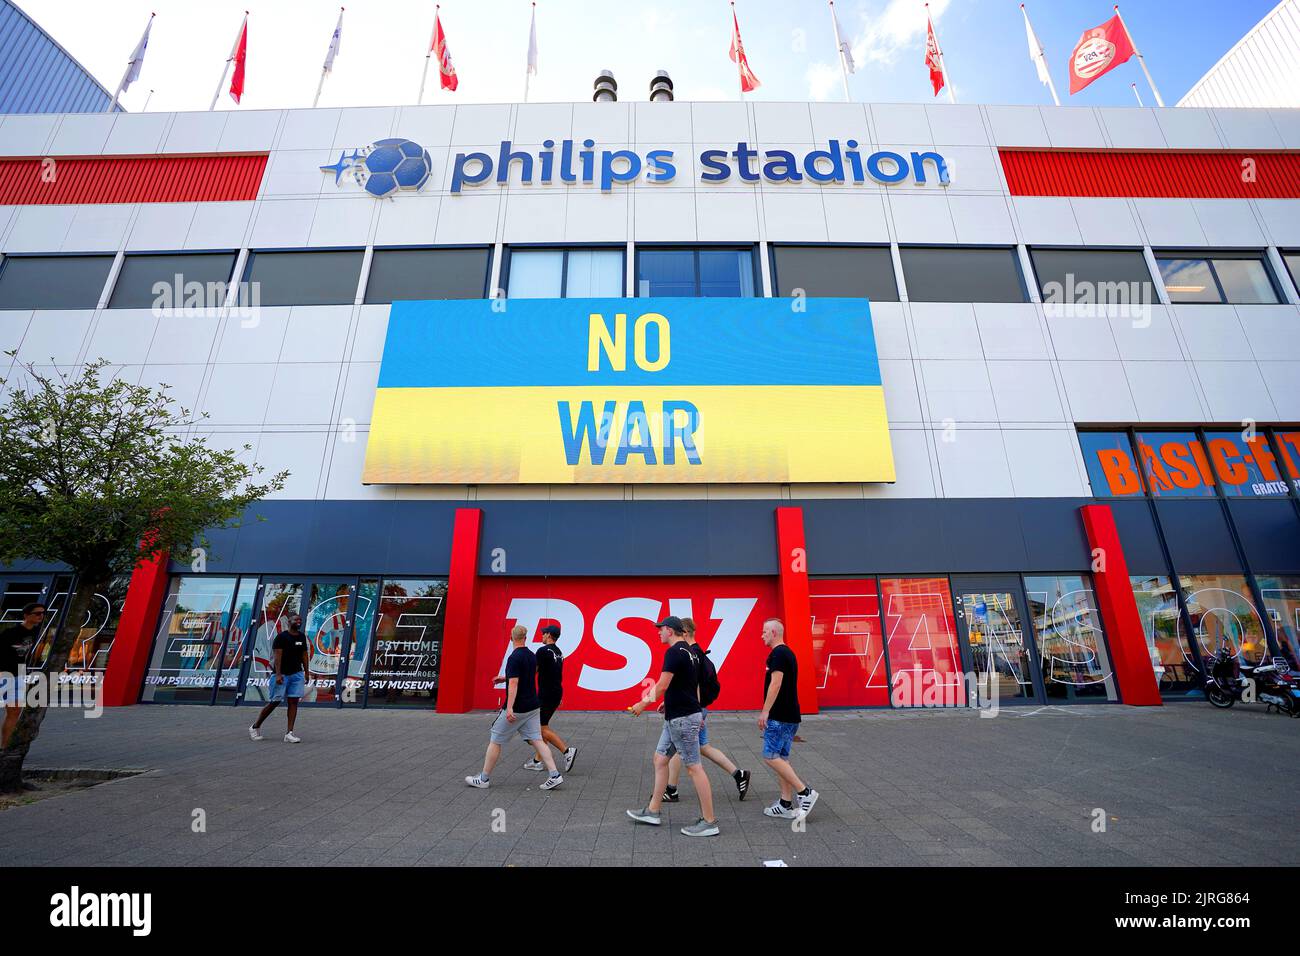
pixel 789 43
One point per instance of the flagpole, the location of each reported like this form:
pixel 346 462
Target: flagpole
pixel 324 70
pixel 432 37
pixel 839 49
pixel 226 69
pixel 1141 59
pixel 1042 56
pixel 943 61
pixel 1137 94
pixel 112 107
pixel 146 102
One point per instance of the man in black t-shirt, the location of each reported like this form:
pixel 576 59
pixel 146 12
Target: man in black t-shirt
pixel 292 652
pixel 15 641
pixel 779 722
pixel 683 717
pixel 521 714
pixel 550 690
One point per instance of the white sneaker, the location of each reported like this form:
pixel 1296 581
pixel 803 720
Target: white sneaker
pixel 534 764
pixel 478 780
pixel 292 738
pixel 780 812
pixel 570 755
pixel 806 803
pixel 254 733
pixel 551 782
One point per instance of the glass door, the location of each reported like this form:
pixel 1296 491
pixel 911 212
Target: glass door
pixel 993 619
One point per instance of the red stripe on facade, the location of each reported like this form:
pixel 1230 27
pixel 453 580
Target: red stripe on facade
pixel 130 179
pixel 1162 174
pixel 460 621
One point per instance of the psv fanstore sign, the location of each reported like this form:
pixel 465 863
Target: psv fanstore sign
pixel 611 647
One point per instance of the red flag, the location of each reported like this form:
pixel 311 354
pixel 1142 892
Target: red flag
pixel 239 55
pixel 748 81
pixel 932 57
pixel 1099 51
pixel 446 72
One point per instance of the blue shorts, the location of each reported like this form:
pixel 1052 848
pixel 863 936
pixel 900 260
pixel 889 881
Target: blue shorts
pixel 704 728
pixel 291 687
pixel 777 739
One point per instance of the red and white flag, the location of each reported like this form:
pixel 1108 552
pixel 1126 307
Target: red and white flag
pixel 748 81
pixel 1099 51
pixel 239 55
pixel 933 58
pixel 446 72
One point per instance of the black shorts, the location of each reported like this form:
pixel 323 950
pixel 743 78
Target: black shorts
pixel 549 707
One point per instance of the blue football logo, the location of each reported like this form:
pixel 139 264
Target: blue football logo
pixel 385 167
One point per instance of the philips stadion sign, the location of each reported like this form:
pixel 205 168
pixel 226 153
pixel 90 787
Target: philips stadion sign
pixel 393 165
pixel 654 390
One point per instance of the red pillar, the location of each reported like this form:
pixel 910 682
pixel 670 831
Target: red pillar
pixel 796 605
pixel 129 657
pixel 1119 613
pixel 460 624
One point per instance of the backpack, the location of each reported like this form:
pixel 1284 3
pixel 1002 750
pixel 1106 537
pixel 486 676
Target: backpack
pixel 710 688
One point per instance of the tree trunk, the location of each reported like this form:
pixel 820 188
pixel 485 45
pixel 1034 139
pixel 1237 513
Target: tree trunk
pixel 29 723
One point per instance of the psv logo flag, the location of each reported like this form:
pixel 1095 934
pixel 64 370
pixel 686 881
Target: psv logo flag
pixel 1099 51
pixel 933 58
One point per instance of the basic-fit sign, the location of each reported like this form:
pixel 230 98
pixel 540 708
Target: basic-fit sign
pixel 653 390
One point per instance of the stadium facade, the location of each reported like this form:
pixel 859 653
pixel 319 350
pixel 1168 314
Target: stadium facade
pixel 952 389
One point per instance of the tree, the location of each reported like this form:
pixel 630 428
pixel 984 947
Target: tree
pixel 103 476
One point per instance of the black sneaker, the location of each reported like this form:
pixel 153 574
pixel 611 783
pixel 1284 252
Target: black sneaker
pixel 672 796
pixel 742 785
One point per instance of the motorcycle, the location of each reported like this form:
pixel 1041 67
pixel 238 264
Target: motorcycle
pixel 1275 684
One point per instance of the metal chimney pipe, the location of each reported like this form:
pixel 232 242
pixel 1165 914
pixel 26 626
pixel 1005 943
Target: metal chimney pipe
pixel 606 88
pixel 661 88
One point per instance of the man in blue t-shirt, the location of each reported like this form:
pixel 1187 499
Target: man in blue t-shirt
pixel 683 717
pixel 521 714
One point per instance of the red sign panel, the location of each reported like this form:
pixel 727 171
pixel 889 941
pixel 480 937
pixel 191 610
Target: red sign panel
pixel 847 646
pixel 610 644
pixel 55 180
pixel 1162 174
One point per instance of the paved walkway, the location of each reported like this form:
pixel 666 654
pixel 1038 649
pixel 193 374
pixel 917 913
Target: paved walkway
pixel 1178 785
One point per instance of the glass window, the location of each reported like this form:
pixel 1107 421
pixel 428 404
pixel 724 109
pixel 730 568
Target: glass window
pixel 306 278
pixel 1288 444
pixel 419 274
pixel 1281 595
pixel 1101 276
pixel 408 643
pixel 1244 466
pixel 238 640
pixel 962 275
pixel 193 281
pixel 1235 278
pixel 1175 465
pixel 847 648
pixel 53 282
pixel 847 271
pixel 1112 471
pixel 567 273
pixel 1222 610
pixel 354 680
pixel 1292 260
pixel 1071 651
pixel 695 272
pixel 921 634
pixel 188 643
pixel 1176 672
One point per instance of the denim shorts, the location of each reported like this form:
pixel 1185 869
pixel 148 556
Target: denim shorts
pixel 778 738
pixel 681 735
pixel 704 728
pixel 527 725
pixel 292 686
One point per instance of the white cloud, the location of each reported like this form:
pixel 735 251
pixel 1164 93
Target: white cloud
pixel 823 78
pixel 901 26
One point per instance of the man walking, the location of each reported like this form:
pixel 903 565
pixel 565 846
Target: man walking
pixel 681 732
pixel 521 714
pixel 779 722
pixel 550 690
pixel 700 655
pixel 292 653
pixel 15 642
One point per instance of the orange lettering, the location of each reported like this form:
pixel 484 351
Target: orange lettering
pixel 1156 474
pixel 1263 457
pixel 1221 449
pixel 1182 471
pixel 1121 477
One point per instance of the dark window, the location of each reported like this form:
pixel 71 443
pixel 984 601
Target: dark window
pixel 306 278
pixel 695 272
pixel 849 271
pixel 1103 276
pixel 134 288
pixel 961 275
pixel 1235 278
pixel 53 282
pixel 397 274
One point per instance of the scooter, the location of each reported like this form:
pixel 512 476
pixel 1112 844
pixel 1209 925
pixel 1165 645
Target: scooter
pixel 1274 683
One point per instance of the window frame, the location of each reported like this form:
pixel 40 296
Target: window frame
pixel 369 265
pixel 1013 249
pixel 507 254
pixel 1208 255
pixel 246 276
pixel 695 249
pixel 773 270
pixel 231 281
pixel 1072 247
pixel 109 277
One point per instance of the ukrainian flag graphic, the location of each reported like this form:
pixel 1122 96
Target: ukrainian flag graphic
pixel 653 390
